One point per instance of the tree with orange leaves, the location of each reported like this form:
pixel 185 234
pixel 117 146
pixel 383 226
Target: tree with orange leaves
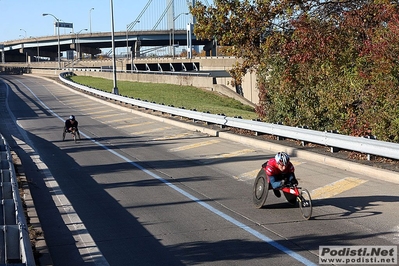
pixel 324 64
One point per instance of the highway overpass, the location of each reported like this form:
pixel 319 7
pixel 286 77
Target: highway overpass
pixel 24 50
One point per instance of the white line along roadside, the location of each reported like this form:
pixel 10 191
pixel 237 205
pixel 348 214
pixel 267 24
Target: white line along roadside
pixel 83 240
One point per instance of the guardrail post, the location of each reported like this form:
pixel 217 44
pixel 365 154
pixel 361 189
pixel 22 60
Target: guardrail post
pixel 9 212
pixel 12 250
pixel 369 156
pixel 303 143
pixel 5 175
pixel 333 149
pixel 2 244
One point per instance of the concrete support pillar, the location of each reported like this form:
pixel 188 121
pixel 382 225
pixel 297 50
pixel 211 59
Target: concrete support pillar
pixel 2 53
pixel 136 49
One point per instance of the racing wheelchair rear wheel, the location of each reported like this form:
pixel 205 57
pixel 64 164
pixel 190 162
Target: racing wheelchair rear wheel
pixel 63 134
pixel 260 189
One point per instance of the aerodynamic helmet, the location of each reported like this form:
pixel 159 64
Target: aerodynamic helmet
pixel 282 158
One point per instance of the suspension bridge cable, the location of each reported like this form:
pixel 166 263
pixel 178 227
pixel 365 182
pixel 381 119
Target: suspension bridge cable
pixel 132 24
pixel 163 15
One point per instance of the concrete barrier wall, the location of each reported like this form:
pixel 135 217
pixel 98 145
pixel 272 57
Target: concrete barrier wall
pixel 196 81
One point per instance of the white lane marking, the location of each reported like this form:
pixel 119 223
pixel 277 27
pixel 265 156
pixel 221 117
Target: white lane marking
pixel 83 240
pixel 228 218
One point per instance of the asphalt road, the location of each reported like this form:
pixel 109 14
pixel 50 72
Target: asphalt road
pixel 139 191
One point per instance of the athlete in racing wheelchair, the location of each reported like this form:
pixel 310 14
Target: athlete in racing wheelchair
pixel 277 174
pixel 71 126
pixel 280 172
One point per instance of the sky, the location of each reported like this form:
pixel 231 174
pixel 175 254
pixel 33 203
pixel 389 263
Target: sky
pixel 23 18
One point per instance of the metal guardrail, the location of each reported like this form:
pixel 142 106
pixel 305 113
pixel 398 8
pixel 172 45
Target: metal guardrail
pixel 15 246
pixel 333 140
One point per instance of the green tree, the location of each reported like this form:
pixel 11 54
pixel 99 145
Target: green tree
pixel 324 64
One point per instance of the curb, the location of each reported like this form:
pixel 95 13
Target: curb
pixel 40 250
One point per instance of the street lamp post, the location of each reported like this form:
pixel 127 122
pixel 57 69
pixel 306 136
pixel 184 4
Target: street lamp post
pixel 78 43
pixel 58 33
pixel 26 53
pixel 24 31
pixel 115 88
pixel 173 33
pixel 91 9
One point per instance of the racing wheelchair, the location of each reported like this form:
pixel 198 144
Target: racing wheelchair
pixel 292 193
pixel 75 134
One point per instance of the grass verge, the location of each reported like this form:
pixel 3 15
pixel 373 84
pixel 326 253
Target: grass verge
pixel 179 96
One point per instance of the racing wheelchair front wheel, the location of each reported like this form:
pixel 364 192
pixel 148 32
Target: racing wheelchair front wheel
pixel 305 203
pixel 260 189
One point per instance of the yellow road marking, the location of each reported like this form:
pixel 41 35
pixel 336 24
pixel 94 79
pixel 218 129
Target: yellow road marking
pixel 91 108
pixel 123 119
pixel 336 188
pixel 296 163
pixel 78 102
pixel 196 145
pixel 98 112
pixel 223 156
pixel 173 136
pixel 232 154
pixel 105 116
pixel 248 175
pixel 135 125
pixel 252 174
pixel 150 131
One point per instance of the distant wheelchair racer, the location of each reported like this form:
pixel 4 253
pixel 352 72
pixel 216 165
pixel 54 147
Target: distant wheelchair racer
pixel 71 126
